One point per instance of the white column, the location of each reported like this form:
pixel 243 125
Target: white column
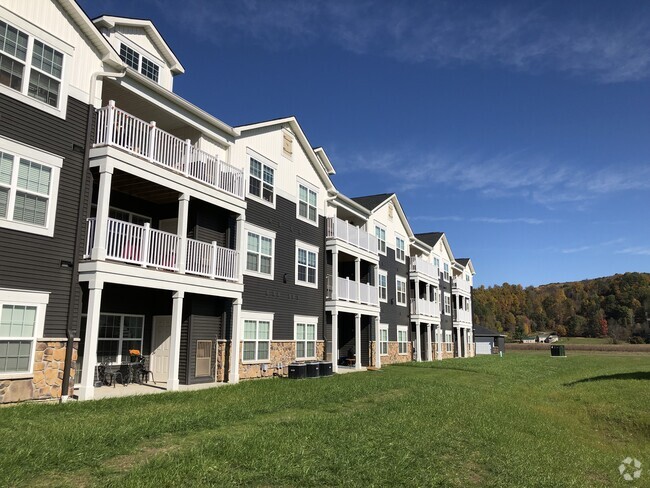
pixel 357 341
pixel 101 218
pixel 87 387
pixel 357 277
pixel 377 345
pixel 335 342
pixel 175 340
pixel 181 230
pixel 429 353
pixel 240 244
pixel 417 296
pixel 233 375
pixel 439 342
pixel 418 343
pixel 335 275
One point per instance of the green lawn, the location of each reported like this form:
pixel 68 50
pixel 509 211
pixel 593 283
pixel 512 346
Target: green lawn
pixel 524 420
pixel 584 340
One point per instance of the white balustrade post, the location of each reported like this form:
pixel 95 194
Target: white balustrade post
pixel 152 139
pixel 418 343
pixel 188 154
pixel 429 352
pixel 335 342
pixel 144 245
pixel 217 172
pixel 175 340
pixel 335 275
pixel 213 260
pixel 181 231
pixel 240 245
pixel 110 122
pixel 103 205
pixel 233 373
pixel 357 277
pixel 357 341
pixel 87 387
pixel 439 342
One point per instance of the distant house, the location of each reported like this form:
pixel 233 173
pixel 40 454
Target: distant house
pixel 546 337
pixel 529 340
pixel 488 341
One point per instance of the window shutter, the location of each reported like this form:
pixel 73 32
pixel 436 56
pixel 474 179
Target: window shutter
pixel 287 144
pixel 203 358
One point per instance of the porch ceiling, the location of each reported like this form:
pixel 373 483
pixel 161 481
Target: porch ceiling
pixel 146 190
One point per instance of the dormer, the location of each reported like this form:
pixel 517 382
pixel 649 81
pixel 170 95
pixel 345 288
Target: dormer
pixel 142 48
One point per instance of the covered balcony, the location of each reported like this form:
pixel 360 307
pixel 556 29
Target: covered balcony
pixel 422 306
pixel 352 291
pixel 424 267
pixel 462 285
pixel 351 234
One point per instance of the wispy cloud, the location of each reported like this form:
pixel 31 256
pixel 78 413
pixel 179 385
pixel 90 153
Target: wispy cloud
pixel 520 35
pixel 486 220
pixel 636 251
pixel 591 247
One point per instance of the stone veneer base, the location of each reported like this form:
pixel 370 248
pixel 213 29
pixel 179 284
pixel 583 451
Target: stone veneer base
pixel 282 352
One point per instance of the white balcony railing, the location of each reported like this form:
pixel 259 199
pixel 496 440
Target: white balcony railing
pixel 120 129
pixel 461 284
pixel 147 247
pixel 463 316
pixel 340 229
pixel 419 265
pixel 351 291
pixel 422 306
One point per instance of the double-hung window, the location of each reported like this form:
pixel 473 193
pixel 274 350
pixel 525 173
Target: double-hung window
pixel 447 299
pixel 257 339
pixel 400 252
pixel 401 290
pixel 448 340
pixel 380 233
pixel 305 337
pixel 382 277
pixel 119 334
pixel 261 181
pixel 28 186
pixel 446 271
pixel 307 204
pixel 402 339
pixel 259 252
pixel 139 63
pixel 383 340
pixel 306 265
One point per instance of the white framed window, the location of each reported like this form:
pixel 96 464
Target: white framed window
pixel 139 62
pixel 29 181
pixel 260 244
pixel 380 234
pixel 383 339
pixel 446 271
pixel 438 339
pixel 22 316
pixel 32 63
pixel 402 339
pixel 447 300
pixel 436 262
pixel 382 278
pixel 256 339
pixel 307 203
pixel 448 340
pixel 119 334
pixel 261 178
pixel 305 335
pixel 400 290
pixel 306 265
pixel 466 277
pixel 400 249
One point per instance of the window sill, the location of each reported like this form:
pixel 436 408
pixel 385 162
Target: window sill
pixel 257 199
pixel 306 220
pixel 16 376
pixel 258 275
pixel 258 361
pixel 28 228
pixel 307 285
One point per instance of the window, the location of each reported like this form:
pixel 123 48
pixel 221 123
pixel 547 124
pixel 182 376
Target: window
pixel 383 340
pixel 438 340
pixel 118 334
pixel 38 78
pixel 382 277
pixel 448 340
pixel 402 339
pixel 259 254
pixel 446 272
pixel 466 277
pixel 22 314
pixel 256 340
pixel 447 303
pixel 134 60
pixel 401 290
pixel 306 264
pixel 28 182
pixel 380 233
pixel 399 249
pixel 436 262
pixel 307 204
pixel 305 334
pixel 203 366
pixel 261 181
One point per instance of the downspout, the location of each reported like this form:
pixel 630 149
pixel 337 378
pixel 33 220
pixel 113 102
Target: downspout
pixel 81 218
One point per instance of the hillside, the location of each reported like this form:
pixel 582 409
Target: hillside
pixel 616 306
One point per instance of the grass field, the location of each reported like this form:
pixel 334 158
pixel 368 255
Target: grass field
pixel 524 420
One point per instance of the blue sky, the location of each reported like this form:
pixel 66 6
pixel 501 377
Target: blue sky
pixel 521 129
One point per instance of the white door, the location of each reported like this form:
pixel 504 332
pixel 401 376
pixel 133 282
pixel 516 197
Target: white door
pixel 160 338
pixel 483 348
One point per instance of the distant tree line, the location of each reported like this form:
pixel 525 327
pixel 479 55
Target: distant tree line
pixel 616 306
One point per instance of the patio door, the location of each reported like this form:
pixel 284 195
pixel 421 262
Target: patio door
pixel 160 339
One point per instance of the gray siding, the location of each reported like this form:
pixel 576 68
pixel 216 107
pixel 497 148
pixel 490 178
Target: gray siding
pixel 30 261
pixel 445 320
pixel 391 313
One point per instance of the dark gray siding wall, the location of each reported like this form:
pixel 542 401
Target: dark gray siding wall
pixel 33 262
pixel 391 313
pixel 445 320
pixel 281 295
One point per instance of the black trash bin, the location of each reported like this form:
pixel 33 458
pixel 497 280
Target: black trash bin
pixel 325 368
pixel 297 371
pixel 313 370
pixel 557 350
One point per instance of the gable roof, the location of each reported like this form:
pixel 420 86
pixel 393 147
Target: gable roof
pixel 110 21
pixel 466 262
pixel 430 238
pixel 371 202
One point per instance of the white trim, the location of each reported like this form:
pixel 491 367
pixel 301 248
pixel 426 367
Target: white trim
pixel 403 239
pixel 120 356
pixel 307 320
pixel 383 227
pixel 309 248
pixel 264 161
pixel 405 330
pixel 402 279
pixel 256 317
pixel 382 328
pixel 250 228
pixel 310 187
pixel 384 273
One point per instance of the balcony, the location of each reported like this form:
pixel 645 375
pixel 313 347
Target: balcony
pixel 353 235
pixel 419 265
pixel 461 285
pixel 347 290
pixel 152 248
pixel 143 139
pixel 463 316
pixel 422 306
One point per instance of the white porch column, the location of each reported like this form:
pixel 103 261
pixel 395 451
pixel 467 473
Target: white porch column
pixel 377 343
pixel 418 343
pixel 335 274
pixel 335 342
pixel 357 277
pixel 101 218
pixel 428 349
pixel 439 342
pixel 175 340
pixel 87 387
pixel 357 341
pixel 233 374
pixel 240 245
pixel 181 230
